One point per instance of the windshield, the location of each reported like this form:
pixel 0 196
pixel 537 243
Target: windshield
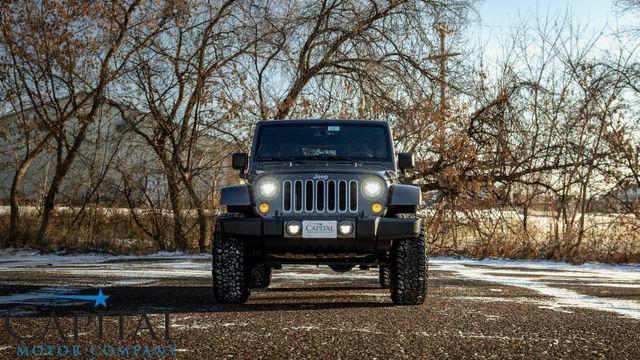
pixel 323 142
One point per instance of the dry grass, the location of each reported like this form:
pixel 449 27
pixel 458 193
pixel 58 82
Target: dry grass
pixel 478 234
pixel 481 234
pixel 112 232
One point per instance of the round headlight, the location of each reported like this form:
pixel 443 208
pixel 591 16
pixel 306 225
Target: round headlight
pixel 372 188
pixel 267 188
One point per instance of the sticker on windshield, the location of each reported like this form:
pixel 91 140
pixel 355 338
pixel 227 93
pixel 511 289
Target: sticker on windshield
pixel 317 152
pixel 333 128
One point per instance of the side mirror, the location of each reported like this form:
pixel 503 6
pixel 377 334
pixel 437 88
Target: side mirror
pixel 406 161
pixel 239 161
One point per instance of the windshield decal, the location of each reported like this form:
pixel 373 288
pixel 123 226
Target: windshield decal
pixel 318 152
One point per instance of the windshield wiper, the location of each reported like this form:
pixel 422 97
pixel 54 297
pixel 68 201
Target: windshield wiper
pixel 277 159
pixel 340 157
pixel 290 160
pixel 355 162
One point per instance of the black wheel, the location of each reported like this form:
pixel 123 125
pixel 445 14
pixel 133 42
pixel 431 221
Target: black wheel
pixel 409 270
pixel 341 268
pixel 260 276
pixel 230 280
pixel 384 276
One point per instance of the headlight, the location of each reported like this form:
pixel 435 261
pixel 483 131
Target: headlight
pixel 267 188
pixel 372 188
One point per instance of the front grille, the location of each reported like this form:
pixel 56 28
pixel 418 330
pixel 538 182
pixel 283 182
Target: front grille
pixel 320 196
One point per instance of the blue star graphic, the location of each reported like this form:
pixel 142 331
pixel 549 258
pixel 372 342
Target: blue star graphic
pixel 100 299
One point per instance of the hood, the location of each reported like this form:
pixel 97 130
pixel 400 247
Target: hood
pixel 323 172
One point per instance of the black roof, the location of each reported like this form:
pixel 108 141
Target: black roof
pixel 321 121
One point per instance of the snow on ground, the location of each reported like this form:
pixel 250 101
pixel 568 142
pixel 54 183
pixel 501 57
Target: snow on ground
pixel 29 259
pixel 547 278
pixel 540 276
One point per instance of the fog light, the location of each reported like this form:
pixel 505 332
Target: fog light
pixel 345 228
pixel 376 207
pixel 264 207
pixel 293 228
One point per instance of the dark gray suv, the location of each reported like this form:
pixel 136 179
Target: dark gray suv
pixel 320 192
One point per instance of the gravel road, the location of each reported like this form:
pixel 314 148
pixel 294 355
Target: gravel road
pixel 488 309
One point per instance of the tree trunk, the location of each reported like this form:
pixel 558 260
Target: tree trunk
pixel 202 224
pixel 202 219
pixel 14 201
pixel 62 168
pixel 179 237
pixel 583 210
pixel 49 202
pixel 16 183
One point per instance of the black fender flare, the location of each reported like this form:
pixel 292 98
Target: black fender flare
pixel 235 195
pixel 404 196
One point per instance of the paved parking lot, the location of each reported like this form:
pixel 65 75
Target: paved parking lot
pixel 496 309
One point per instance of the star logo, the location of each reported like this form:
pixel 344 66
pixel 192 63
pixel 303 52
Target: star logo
pixel 100 299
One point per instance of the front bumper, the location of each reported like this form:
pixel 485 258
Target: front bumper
pixel 370 234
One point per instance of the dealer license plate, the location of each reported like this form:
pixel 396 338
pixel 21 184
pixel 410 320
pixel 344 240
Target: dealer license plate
pixel 312 229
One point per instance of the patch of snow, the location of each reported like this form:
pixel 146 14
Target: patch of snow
pixel 26 258
pixel 109 269
pixel 614 285
pixel 304 328
pixel 574 275
pixel 190 326
pixel 233 324
pixel 493 299
pixel 383 294
pixel 536 264
pixel 132 281
pixel 584 282
pixel 332 329
pixel 556 308
pixel 561 298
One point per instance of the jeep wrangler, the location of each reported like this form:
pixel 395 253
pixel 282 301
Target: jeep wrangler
pixel 323 192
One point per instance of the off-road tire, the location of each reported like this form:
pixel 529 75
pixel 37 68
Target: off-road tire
pixel 409 270
pixel 384 276
pixel 260 276
pixel 230 275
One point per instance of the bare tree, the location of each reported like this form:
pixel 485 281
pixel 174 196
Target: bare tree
pixel 173 104
pixel 54 50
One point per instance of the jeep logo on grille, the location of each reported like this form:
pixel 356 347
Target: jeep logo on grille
pixel 320 177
